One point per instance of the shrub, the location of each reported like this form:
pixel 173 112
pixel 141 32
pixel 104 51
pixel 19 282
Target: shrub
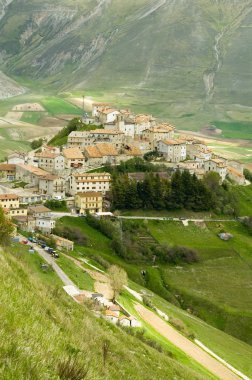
pixel 72 233
pixel 147 302
pixel 100 260
pixel 35 144
pixel 71 369
pixel 179 253
pixel 55 204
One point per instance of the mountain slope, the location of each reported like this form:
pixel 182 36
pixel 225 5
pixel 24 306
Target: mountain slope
pixel 184 55
pixel 41 328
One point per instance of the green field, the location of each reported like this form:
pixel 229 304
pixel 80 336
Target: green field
pixel 6 147
pixel 56 106
pixel 41 327
pixel 234 351
pixel 216 288
pixel 234 129
pixel 244 196
pixel 32 117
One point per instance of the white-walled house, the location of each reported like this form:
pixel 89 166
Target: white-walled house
pixel 81 182
pixel 143 122
pixel 52 185
pixel 45 224
pixel 82 139
pixel 111 316
pixel 172 150
pixel 50 161
pixel 158 133
pixel 134 322
pixel 216 165
pixel 107 115
pixel 97 107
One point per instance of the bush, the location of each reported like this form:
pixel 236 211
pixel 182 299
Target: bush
pixel 104 226
pixel 247 174
pixel 55 204
pixel 72 369
pixel 118 246
pixel 100 260
pixel 35 144
pixel 179 253
pixel 72 233
pixel 147 302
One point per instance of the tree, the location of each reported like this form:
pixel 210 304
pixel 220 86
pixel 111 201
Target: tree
pixel 35 144
pixel 6 228
pixel 248 175
pixel 118 279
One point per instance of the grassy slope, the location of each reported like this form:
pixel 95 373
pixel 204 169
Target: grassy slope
pixel 231 349
pixel 218 286
pixel 41 325
pixel 78 276
pixel 244 196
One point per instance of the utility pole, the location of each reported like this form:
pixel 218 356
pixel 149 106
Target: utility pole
pixel 83 97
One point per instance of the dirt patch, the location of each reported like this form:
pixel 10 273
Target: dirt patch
pixel 35 107
pixel 52 122
pixel 66 117
pixel 14 115
pixel 105 289
pixel 211 131
pixel 102 283
pixel 200 224
pixel 79 103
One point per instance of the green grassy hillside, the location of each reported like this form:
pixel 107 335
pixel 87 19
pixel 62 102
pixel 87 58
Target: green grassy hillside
pixel 41 328
pixel 98 251
pixel 186 61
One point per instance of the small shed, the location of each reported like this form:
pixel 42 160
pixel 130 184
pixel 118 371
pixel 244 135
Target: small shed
pixel 124 321
pixel 111 316
pixel 134 322
pixel 115 309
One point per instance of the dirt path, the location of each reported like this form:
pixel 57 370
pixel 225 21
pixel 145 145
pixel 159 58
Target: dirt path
pixel 186 345
pixel 102 283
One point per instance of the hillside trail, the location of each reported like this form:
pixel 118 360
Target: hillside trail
pixel 102 283
pixel 191 349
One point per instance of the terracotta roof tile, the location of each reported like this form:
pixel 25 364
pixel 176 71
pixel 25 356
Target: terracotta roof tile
pixel 4 197
pixel 88 194
pixel 73 153
pixel 7 167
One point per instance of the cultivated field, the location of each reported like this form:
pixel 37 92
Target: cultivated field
pixel 24 120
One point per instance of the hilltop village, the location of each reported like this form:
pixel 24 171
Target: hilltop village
pixel 69 173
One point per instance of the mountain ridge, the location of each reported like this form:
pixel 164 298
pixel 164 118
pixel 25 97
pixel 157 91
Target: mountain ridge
pixel 192 54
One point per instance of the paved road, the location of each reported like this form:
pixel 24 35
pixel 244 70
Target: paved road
pixel 191 349
pixel 50 260
pixel 57 215
pixel 176 219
